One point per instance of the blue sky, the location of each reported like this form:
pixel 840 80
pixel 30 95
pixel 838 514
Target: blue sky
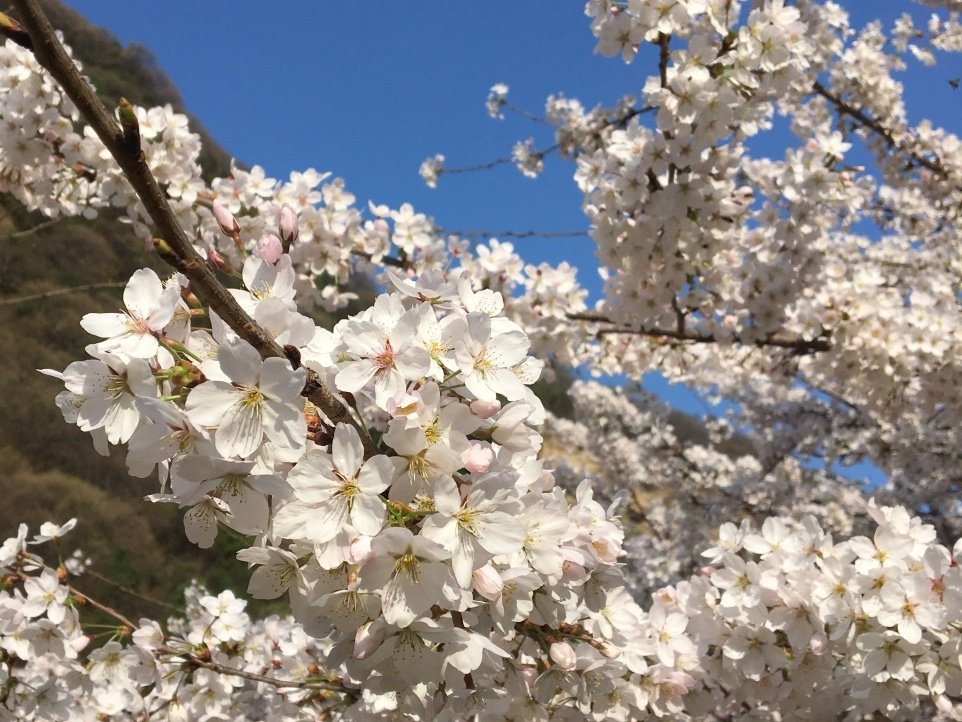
pixel 368 90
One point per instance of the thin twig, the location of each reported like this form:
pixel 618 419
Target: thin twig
pixel 84 599
pixel 514 234
pixel 61 292
pixel 196 661
pixel 876 126
pixel 798 345
pixel 52 56
pixel 497 161
pixel 29 231
pixel 131 592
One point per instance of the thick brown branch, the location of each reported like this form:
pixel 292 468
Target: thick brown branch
pixel 52 56
pixel 798 345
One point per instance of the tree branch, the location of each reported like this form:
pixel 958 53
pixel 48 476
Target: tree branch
pixel 52 56
pixel 195 660
pixel 798 345
pixel 876 126
pixel 29 231
pixel 514 234
pixel 61 292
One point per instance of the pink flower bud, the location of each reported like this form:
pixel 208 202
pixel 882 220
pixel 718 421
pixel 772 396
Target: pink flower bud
pixel 79 643
pixel 819 643
pixel 225 219
pixel 485 409
pixel 563 655
pixel 358 551
pixel 367 639
pixel 477 457
pixel 216 261
pixel 288 226
pixel 269 249
pixel 487 582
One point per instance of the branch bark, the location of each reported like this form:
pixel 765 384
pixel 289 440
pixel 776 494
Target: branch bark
pixel 845 108
pixel 798 345
pixel 51 55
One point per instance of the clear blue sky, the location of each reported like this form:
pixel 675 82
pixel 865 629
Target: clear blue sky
pixel 368 90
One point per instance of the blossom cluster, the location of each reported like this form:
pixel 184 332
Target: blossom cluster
pixel 817 290
pixel 425 529
pixel 437 567
pixel 781 622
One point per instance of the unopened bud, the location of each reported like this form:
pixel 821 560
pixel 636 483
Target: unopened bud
pixel 477 457
pixel 358 551
pixel 563 655
pixel 288 226
pixel 225 219
pixel 270 249
pixel 487 582
pixel 485 409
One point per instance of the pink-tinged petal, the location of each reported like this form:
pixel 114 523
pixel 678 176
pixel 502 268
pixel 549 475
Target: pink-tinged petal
pixel 377 475
pixel 280 381
pixel 328 520
pixel 367 514
pixel 347 450
pixel 105 325
pixel 143 292
pixel 355 376
pixel 209 402
pixel 241 431
pixel 240 361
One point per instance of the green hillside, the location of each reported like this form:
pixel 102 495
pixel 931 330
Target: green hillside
pixel 51 469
